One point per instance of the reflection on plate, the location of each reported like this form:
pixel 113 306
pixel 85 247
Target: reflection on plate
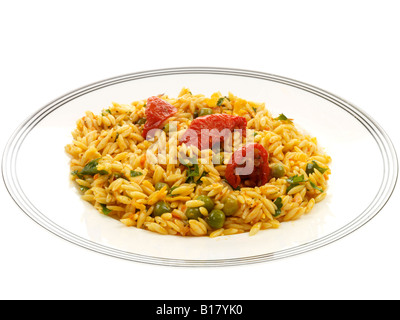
pixel 35 169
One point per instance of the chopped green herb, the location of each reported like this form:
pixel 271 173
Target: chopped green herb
pixel 282 117
pixel 221 100
pixel 313 165
pixel 192 171
pixel 278 203
pixel 91 168
pixel 83 188
pixel 315 186
pixel 256 133
pixel 255 109
pixel 104 209
pixel 295 181
pixel 136 173
pixel 202 175
pixel 76 173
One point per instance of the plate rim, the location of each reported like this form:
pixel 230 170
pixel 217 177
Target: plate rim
pixel 389 158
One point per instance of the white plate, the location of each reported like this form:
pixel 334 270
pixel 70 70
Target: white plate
pixel 364 169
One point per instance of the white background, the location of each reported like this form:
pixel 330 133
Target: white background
pixel 49 48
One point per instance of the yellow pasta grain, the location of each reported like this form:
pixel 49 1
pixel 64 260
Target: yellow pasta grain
pixel 194 203
pixel 197 228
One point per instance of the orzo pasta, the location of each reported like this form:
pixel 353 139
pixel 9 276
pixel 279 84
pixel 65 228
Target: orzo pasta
pixel 140 163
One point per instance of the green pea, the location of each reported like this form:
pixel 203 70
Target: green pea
pixel 216 219
pixel 160 185
pixel 277 170
pixel 170 127
pixel 160 208
pixel 193 213
pixel 205 112
pixel 208 202
pixel 141 121
pixel 231 205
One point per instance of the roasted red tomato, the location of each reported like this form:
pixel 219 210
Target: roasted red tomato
pixel 207 130
pixel 157 111
pixel 248 163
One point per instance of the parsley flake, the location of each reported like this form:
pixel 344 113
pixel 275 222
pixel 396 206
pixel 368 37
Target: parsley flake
pixel 278 203
pixel 104 209
pixel 295 181
pixel 282 117
pixel 91 168
pixel 221 100
pixel 136 173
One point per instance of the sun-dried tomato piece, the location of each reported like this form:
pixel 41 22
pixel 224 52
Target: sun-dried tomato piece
pixel 205 131
pixel 248 163
pixel 157 112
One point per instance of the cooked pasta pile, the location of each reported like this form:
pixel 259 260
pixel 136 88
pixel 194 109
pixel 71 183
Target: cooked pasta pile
pixel 115 171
